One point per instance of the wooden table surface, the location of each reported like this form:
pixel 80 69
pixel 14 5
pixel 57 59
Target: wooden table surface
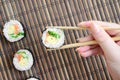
pixel 65 64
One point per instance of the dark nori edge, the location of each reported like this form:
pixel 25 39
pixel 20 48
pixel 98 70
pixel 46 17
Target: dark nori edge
pixel 32 77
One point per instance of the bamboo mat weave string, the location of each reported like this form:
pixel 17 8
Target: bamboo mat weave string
pixel 65 64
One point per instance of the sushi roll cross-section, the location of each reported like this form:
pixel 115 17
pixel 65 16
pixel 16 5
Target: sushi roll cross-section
pixel 13 31
pixel 23 60
pixel 53 37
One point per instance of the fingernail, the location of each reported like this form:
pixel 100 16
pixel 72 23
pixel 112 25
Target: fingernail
pixel 85 24
pixel 77 39
pixel 96 28
pixel 76 50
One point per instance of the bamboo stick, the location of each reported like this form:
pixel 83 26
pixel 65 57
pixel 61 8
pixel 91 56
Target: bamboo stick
pixel 79 28
pixel 81 44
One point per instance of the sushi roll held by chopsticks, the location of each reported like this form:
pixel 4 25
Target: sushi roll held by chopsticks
pixel 13 31
pixel 53 37
pixel 50 42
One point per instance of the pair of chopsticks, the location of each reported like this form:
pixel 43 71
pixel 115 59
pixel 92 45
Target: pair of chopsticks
pixel 82 43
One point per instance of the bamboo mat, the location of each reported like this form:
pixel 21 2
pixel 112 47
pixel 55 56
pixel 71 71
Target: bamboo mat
pixel 66 64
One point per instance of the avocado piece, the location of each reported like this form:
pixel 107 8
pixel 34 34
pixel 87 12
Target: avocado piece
pixel 11 29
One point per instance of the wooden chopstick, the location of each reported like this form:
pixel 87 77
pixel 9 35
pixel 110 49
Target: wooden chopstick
pixel 78 28
pixel 82 44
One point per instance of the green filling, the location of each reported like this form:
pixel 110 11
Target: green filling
pixel 54 34
pixel 23 54
pixel 16 35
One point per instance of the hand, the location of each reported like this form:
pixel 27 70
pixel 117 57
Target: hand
pixel 106 46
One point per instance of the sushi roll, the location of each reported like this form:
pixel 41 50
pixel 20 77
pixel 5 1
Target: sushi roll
pixel 23 60
pixel 13 31
pixel 33 78
pixel 53 37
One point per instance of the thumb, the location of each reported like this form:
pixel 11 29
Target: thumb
pixel 109 47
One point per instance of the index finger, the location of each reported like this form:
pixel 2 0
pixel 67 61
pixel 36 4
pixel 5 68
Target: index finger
pixel 109 24
pixel 105 24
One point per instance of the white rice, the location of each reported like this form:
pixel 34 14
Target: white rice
pixel 60 41
pixel 32 79
pixel 6 27
pixel 29 63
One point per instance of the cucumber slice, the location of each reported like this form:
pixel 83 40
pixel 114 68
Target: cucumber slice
pixel 16 35
pixel 54 34
pixel 23 54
